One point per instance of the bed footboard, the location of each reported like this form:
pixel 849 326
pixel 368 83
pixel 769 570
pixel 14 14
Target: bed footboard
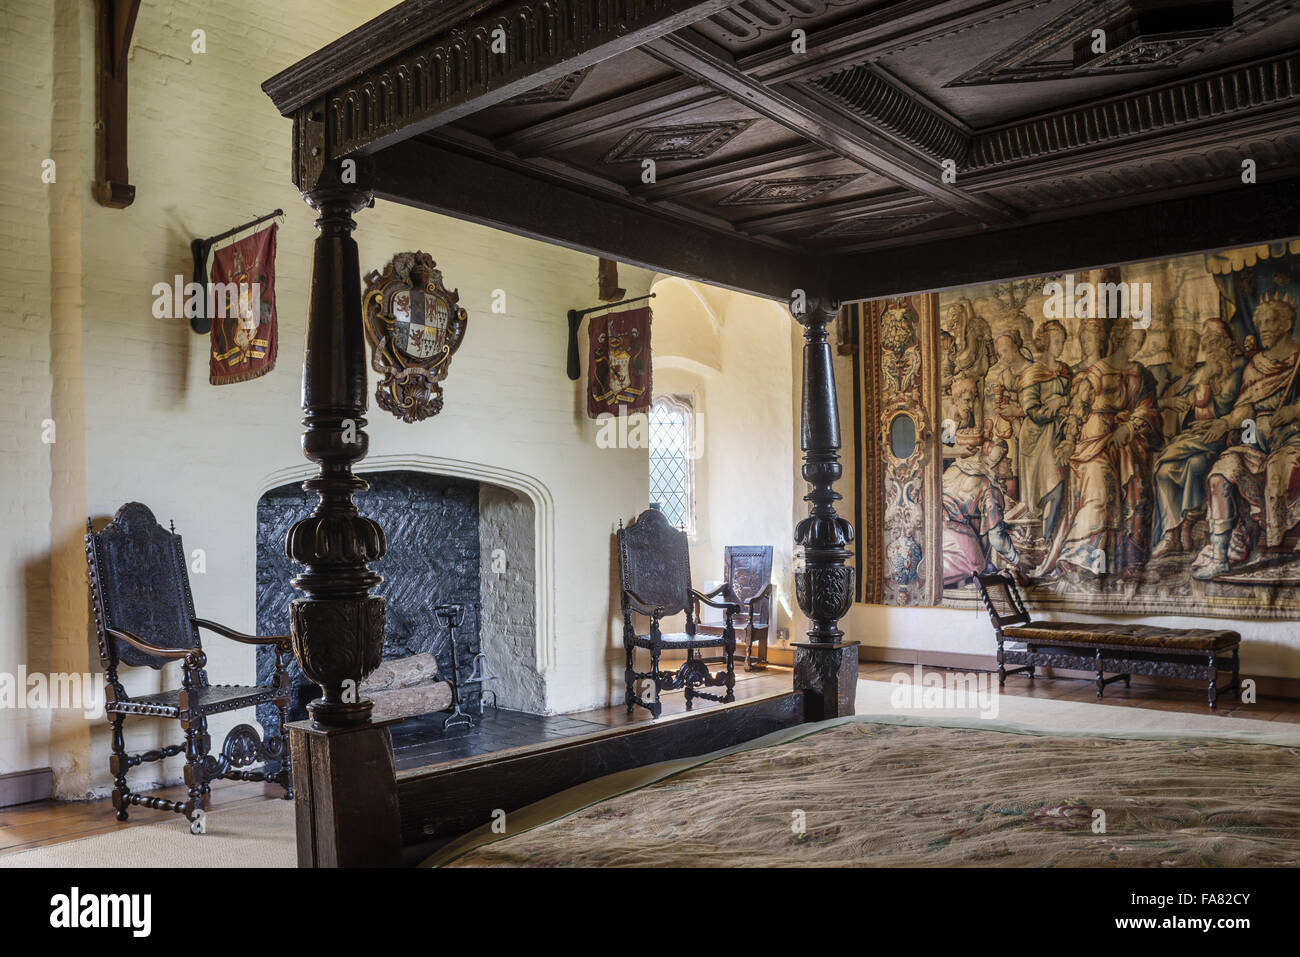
pixel 354 810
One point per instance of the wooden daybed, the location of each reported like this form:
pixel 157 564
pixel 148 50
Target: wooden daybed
pixel 518 114
pixel 1122 650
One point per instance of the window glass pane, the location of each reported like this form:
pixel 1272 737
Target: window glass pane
pixel 670 472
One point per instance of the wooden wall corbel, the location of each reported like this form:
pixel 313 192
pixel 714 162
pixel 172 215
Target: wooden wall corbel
pixel 114 24
pixel 608 289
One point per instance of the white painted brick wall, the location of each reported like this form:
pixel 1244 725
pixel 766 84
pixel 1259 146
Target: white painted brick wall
pixel 26 50
pixel 507 620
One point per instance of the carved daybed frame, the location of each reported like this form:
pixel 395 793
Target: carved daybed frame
pixel 391 96
pixel 1123 650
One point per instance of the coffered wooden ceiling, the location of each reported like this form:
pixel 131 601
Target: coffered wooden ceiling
pixel 775 159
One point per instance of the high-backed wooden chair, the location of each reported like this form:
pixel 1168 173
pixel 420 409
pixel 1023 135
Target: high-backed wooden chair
pixel 655 575
pixel 144 615
pixel 747 581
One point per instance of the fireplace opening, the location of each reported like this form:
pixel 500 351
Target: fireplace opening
pixel 451 540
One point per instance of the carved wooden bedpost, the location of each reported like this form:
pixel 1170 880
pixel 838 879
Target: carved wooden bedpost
pixel 825 666
pixel 346 798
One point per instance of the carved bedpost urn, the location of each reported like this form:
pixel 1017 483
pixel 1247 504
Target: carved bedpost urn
pixel 825 666
pixel 338 626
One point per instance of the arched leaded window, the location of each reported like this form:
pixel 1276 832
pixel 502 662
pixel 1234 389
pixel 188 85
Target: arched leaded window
pixel 672 478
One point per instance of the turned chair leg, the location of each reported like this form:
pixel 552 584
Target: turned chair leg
pixel 656 708
pixel 205 785
pixel 730 648
pixel 1002 668
pixel 193 767
pixel 118 766
pixel 629 677
pixel 753 635
pixel 688 691
pixel 286 766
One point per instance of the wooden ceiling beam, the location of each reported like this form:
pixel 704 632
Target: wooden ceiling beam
pixel 850 41
pixel 696 56
pixel 870 36
pixel 1242 216
pixel 446 180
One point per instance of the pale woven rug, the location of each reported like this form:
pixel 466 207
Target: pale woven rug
pixel 255 835
pixel 262 835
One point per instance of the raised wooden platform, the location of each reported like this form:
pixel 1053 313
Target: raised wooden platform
pixel 420 742
pixel 441 802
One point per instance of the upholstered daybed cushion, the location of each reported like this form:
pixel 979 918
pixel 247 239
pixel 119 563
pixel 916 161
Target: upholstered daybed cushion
pixel 1103 633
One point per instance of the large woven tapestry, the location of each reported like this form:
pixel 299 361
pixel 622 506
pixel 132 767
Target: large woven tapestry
pixel 1123 440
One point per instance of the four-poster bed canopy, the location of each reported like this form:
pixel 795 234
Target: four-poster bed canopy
pixel 809 151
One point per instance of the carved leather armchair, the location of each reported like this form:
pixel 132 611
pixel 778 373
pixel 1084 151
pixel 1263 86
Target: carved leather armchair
pixel 144 615
pixel 655 575
pixel 747 571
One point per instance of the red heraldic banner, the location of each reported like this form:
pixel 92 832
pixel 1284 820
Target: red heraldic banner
pixel 241 305
pixel 618 373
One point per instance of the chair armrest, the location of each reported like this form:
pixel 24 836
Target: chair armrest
pixel 135 641
pixel 631 604
pixel 728 605
pixel 239 635
pixel 765 593
pixel 717 591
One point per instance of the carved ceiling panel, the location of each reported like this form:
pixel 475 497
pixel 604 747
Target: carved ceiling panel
pixel 682 142
pixel 795 189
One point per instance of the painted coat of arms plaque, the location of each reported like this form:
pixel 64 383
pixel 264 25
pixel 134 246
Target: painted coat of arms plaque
pixel 415 326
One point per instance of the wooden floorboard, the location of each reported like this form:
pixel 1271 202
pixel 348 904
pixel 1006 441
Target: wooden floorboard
pixel 53 822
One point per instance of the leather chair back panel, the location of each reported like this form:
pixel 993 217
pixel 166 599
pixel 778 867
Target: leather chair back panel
pixel 654 562
pixel 139 577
